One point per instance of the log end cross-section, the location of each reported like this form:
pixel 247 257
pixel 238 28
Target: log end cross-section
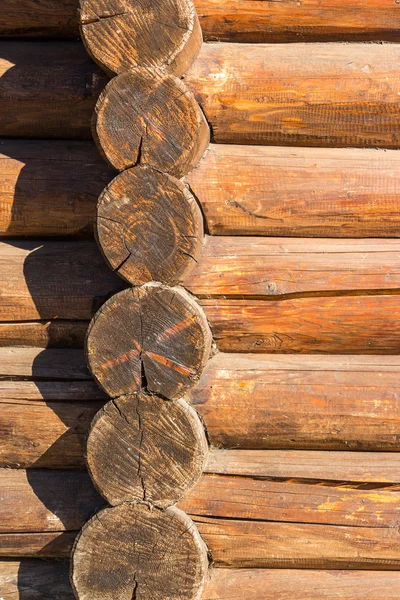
pixel 149 117
pixel 149 227
pixel 142 448
pixel 150 338
pixel 120 34
pixel 135 552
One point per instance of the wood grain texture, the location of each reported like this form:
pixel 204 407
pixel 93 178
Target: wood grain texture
pixel 263 267
pixel 149 117
pixel 37 363
pixel 149 227
pixel 157 554
pixel 231 20
pixel 299 95
pixel 144 449
pixel 242 190
pixel 125 35
pixel 56 281
pixel 43 334
pixel 47 90
pixel 152 338
pixel 38 576
pixel 61 180
pixel 303 192
pixel 323 325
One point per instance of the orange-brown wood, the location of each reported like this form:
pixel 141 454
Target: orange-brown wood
pixel 300 95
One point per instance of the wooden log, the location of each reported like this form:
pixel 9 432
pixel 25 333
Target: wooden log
pixel 298 519
pixel 49 187
pixel 48 90
pixel 253 402
pixel 165 35
pixel 147 116
pixel 149 227
pixel 158 554
pixel 151 338
pixel 43 334
pixel 299 95
pixel 144 449
pixel 223 584
pixel 231 20
pixel 332 325
pixel 60 280
pixel 338 192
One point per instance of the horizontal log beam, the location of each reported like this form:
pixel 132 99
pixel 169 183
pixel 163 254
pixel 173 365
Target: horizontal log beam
pixel 246 97
pixel 337 192
pixel 64 280
pixel 246 401
pixel 40 577
pixel 231 20
pixel 362 525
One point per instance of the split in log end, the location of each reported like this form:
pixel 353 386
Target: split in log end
pixel 149 227
pixel 151 338
pixel 142 448
pixel 148 117
pixel 133 551
pixel 119 35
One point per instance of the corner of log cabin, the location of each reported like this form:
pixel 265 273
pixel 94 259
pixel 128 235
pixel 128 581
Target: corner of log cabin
pixel 199 300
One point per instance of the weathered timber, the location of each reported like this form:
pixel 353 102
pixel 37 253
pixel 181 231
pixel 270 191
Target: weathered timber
pixel 245 522
pixel 290 94
pixel 300 94
pixel 313 192
pixel 56 280
pixel 231 20
pixel 49 187
pixel 40 576
pixel 158 554
pixel 149 227
pixel 144 449
pixel 56 333
pixel 47 90
pixel 346 324
pixel 147 116
pixel 151 338
pixel 242 190
pixel 41 364
pixel 164 34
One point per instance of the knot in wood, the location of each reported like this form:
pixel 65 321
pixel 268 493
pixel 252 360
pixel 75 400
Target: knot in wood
pixel 149 227
pixel 151 338
pixel 149 117
pixel 132 551
pixel 120 34
pixel 144 448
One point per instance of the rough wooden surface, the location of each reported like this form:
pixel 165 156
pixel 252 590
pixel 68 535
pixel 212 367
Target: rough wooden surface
pixel 144 449
pixel 47 90
pixel 36 363
pixel 151 338
pixel 38 577
pixel 54 280
pixel 147 116
pixel 56 333
pixel 49 187
pixel 243 190
pixel 121 36
pixel 300 95
pixel 313 192
pixel 231 20
pixel 149 227
pixel 330 325
pixel 233 266
pixel 143 551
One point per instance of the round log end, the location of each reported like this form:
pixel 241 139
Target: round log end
pixel 151 338
pixel 142 448
pixel 149 227
pixel 149 117
pixel 120 34
pixel 135 552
